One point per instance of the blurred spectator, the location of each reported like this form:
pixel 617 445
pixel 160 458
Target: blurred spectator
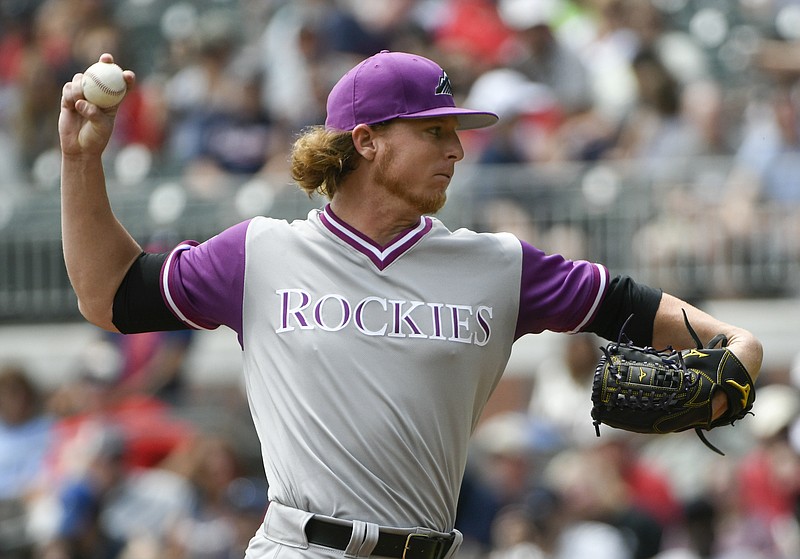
pixel 770 473
pixel 598 33
pixel 532 529
pixel 638 69
pixel 150 427
pixel 511 449
pixel 768 157
pixel 538 53
pixel 109 490
pixel 590 539
pixel 363 27
pixel 153 364
pixel 210 529
pixel 38 89
pixel 699 532
pixel 79 530
pixel 609 483
pixel 607 53
pixel 16 32
pixel 478 506
pixel 670 126
pixel 530 116
pixel 530 113
pixel 514 536
pixel 562 385
pixel 680 53
pixel 509 452
pixel 25 435
pixel 591 496
pixel 46 60
pixel 107 510
pixel 703 103
pixel 297 65
pixel 216 124
pixel 655 131
pixel 25 432
pixel 248 499
pixel 765 504
pixel 761 205
pixel 470 37
pixel 661 245
pixel 94 37
pixel 149 502
pixel 649 489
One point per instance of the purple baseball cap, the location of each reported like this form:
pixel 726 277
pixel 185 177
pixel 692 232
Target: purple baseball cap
pixel 397 85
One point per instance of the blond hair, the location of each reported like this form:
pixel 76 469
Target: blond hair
pixel 321 158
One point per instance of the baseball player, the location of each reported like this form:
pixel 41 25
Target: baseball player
pixel 371 335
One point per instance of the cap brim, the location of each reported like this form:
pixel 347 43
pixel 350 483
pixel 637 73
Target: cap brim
pixel 468 119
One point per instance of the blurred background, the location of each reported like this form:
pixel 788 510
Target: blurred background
pixel 659 137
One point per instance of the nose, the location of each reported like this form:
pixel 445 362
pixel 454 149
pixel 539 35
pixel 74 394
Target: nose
pixel 455 150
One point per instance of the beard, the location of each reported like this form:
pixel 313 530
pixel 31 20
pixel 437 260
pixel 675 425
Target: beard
pixel 388 178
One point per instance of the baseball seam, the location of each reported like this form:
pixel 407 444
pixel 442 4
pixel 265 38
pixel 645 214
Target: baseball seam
pixel 103 87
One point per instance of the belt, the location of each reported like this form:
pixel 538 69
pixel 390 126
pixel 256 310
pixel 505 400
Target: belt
pixel 401 546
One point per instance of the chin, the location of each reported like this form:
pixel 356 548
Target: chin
pixel 434 205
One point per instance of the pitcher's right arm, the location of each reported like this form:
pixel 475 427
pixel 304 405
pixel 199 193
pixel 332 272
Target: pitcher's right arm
pixel 98 250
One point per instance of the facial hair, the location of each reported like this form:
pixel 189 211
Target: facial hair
pixel 387 177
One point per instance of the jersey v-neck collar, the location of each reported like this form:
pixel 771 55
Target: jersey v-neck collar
pixel 381 256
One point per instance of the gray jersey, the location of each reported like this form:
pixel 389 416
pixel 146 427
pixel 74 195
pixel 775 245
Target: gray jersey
pixel 367 367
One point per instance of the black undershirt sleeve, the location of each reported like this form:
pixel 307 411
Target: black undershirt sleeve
pixel 627 299
pixel 138 304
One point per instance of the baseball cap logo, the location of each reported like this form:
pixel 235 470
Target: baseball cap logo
pixel 444 87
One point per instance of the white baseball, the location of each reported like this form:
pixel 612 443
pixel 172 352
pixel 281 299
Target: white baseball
pixel 103 84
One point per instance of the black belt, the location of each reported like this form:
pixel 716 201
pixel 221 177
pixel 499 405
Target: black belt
pixel 408 546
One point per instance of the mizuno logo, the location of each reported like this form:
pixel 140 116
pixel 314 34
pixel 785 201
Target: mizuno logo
pixel 696 353
pixel 642 374
pixel 444 87
pixel 745 390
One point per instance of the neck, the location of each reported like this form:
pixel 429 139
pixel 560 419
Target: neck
pixel 379 220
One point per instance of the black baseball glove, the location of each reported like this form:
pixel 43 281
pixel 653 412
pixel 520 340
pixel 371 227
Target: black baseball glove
pixel 645 390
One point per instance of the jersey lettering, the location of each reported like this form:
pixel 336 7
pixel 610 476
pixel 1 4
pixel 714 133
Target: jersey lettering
pixel 378 316
pixel 296 311
pixel 402 317
pixel 460 321
pixel 340 305
pixel 436 315
pixel 359 316
pixel 483 315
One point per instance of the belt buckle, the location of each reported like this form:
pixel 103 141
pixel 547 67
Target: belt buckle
pixel 420 536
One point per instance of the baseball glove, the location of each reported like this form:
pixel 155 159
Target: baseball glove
pixel 645 390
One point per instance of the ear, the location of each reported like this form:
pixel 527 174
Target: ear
pixel 364 140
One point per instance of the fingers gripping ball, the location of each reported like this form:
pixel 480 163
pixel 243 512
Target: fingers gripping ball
pixel 666 391
pixel 103 84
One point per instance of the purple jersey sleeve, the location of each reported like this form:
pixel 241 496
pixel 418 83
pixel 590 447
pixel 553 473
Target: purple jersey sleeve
pixel 203 284
pixel 557 294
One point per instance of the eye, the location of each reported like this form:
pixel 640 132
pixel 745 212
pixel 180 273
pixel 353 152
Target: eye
pixel 435 131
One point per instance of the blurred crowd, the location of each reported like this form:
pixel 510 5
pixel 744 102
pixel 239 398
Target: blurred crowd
pixel 224 85
pixel 696 100
pixel 117 463
pixel 125 459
